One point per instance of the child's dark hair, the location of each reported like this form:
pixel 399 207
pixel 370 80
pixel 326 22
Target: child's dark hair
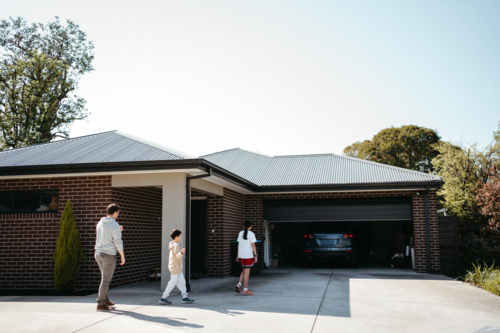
pixel 113 208
pixel 174 233
pixel 248 224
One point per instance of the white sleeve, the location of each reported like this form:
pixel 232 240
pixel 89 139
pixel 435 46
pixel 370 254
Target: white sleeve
pixel 252 238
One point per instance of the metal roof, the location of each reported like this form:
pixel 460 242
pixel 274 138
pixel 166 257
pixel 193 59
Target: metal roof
pixel 121 151
pixel 105 147
pixel 311 169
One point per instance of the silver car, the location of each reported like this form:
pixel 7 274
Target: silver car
pixel 326 241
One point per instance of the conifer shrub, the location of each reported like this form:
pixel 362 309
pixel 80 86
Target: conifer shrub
pixel 68 253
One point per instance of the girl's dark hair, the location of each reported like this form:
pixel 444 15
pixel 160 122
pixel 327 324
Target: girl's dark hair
pixel 248 224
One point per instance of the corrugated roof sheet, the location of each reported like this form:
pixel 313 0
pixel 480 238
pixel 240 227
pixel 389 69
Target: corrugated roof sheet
pixel 105 147
pixel 311 169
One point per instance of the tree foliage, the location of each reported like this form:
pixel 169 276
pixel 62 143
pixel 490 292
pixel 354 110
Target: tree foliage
pixel 488 199
pixel 68 253
pixel 462 168
pixel 410 147
pixel 40 66
pixel 466 170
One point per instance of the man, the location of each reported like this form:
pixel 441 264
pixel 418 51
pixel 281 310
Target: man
pixel 108 241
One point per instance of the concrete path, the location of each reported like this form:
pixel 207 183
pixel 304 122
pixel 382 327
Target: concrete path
pixel 286 300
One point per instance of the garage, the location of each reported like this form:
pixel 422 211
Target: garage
pixel 353 231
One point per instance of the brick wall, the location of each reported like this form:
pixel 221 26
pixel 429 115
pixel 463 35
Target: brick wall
pixel 27 241
pixel 420 233
pixel 140 215
pixel 254 212
pixel 215 222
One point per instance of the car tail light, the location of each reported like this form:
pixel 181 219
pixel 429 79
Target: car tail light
pixel 348 250
pixel 345 236
pixel 308 236
pixel 308 251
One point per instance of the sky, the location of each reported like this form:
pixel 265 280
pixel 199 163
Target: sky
pixel 283 77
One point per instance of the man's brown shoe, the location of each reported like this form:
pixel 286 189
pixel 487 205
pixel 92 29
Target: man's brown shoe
pixel 109 303
pixel 103 307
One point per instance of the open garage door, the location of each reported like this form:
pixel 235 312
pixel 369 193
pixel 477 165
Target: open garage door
pixel 381 228
pixel 349 209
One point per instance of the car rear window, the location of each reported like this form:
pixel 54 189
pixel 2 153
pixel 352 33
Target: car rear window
pixel 328 227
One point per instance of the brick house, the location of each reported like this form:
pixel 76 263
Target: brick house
pixel 208 197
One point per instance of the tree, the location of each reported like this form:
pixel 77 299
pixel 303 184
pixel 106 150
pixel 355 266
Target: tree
pixel 465 169
pixel 410 147
pixel 40 66
pixel 488 199
pixel 462 169
pixel 68 253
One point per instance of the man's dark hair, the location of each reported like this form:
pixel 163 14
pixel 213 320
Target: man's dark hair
pixel 175 233
pixel 113 208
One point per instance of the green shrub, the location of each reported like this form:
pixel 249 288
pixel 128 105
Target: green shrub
pixel 68 253
pixel 493 284
pixel 486 277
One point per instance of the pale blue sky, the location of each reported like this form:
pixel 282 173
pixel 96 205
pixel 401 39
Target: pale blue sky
pixel 284 77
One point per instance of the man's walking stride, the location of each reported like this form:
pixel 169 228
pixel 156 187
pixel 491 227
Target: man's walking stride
pixel 108 241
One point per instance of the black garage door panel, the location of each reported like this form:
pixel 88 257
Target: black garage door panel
pixel 352 209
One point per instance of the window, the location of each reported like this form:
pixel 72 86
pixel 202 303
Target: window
pixel 29 201
pixel 5 202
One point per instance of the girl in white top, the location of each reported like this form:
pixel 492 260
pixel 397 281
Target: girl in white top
pixel 247 255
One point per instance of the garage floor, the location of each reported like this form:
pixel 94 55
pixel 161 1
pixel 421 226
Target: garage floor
pixel 286 300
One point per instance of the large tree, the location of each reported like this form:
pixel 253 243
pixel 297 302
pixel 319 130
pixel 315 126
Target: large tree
pixel 40 66
pixel 410 147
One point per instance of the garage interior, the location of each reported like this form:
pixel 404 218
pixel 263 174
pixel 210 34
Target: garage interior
pixel 381 227
pixel 377 241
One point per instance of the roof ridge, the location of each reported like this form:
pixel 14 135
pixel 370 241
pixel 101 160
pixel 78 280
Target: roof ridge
pixel 156 145
pixel 57 141
pixel 219 152
pixel 237 148
pixel 302 155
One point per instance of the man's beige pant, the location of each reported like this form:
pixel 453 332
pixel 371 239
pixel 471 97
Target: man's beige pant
pixel 107 264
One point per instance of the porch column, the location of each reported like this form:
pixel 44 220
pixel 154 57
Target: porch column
pixel 173 217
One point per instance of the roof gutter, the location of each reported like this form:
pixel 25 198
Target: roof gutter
pixel 98 167
pixel 434 185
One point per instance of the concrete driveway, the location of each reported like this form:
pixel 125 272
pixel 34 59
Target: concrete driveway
pixel 286 300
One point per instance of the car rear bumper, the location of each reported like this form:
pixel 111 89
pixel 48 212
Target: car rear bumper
pixel 333 255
